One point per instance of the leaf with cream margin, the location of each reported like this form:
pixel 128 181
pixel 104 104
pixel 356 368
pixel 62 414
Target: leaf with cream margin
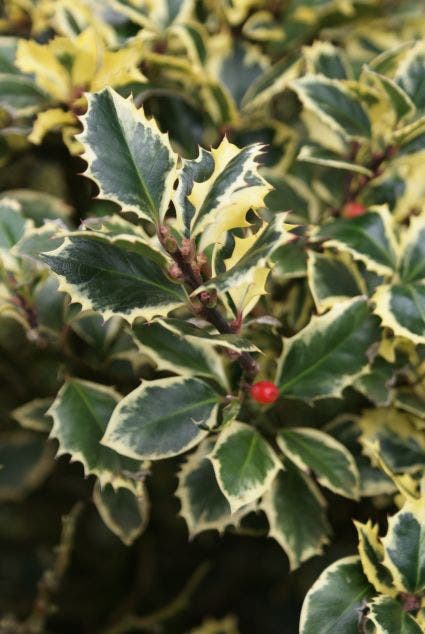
pixel 369 238
pixel 162 418
pixel 80 413
pixel 401 307
pixel 114 279
pixel 295 510
pixel 125 513
pixel 371 553
pixel 329 353
pixel 335 600
pixel 404 546
pixel 203 505
pixel 244 464
pixel 315 450
pixel 128 157
pixel 179 354
pixel 248 266
pixel 389 617
pixel 222 201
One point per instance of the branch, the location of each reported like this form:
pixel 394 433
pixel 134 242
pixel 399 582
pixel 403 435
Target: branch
pixel 191 275
pixel 178 604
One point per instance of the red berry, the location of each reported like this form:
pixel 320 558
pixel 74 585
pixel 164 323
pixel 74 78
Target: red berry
pixel 353 209
pixel 264 392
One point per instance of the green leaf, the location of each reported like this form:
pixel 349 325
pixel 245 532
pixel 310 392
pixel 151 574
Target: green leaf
pixel 404 546
pixel 376 384
pixel 274 80
pixel 330 461
pixel 389 617
pixel 80 413
pixel 244 464
pixel 33 415
pixel 400 444
pixel 162 418
pixel 411 75
pixel 334 104
pixel 124 513
pixel 20 95
pixel 335 601
pixel 401 307
pixel 37 240
pixel 369 238
pixel 321 156
pixel 290 260
pixel 130 160
pixel 294 508
pixel 329 353
pixel 399 100
pixel 202 503
pixel 179 354
pixel 372 480
pixel 26 460
pixel 333 278
pixel 39 206
pixel 323 58
pixel 250 255
pixel 192 332
pixel 222 201
pixel 113 279
pixel 192 171
pixel 371 554
pixel 12 224
pixel 412 265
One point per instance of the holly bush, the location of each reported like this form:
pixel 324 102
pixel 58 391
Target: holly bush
pixel 212 259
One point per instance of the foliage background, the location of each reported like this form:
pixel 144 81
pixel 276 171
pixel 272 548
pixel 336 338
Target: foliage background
pixel 243 572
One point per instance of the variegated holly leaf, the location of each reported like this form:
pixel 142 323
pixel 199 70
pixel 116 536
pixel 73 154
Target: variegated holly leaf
pixel 33 415
pixel 244 464
pixel 38 240
pixel 369 238
pixel 128 157
pixel 296 513
pixel 80 413
pixel 330 461
pixel 192 332
pixel 401 307
pixel 333 277
pixel 410 75
pixel 335 600
pixel 219 202
pixel 404 546
pixel 377 383
pixel 323 58
pixel 179 354
pixel 19 94
pixel 388 616
pixel 400 444
pixel 274 80
pixel 262 26
pixel 322 156
pixel 373 481
pixel 114 279
pixel 400 101
pixel 13 225
pixel 248 266
pixel 162 418
pixel 329 353
pixel 412 264
pixel 202 503
pixel 334 104
pixel 290 260
pixel 371 553
pixel 39 206
pixel 125 513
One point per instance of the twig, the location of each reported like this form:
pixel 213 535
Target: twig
pixel 50 581
pixel 178 604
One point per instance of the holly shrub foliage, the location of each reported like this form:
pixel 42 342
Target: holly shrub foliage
pixel 259 167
